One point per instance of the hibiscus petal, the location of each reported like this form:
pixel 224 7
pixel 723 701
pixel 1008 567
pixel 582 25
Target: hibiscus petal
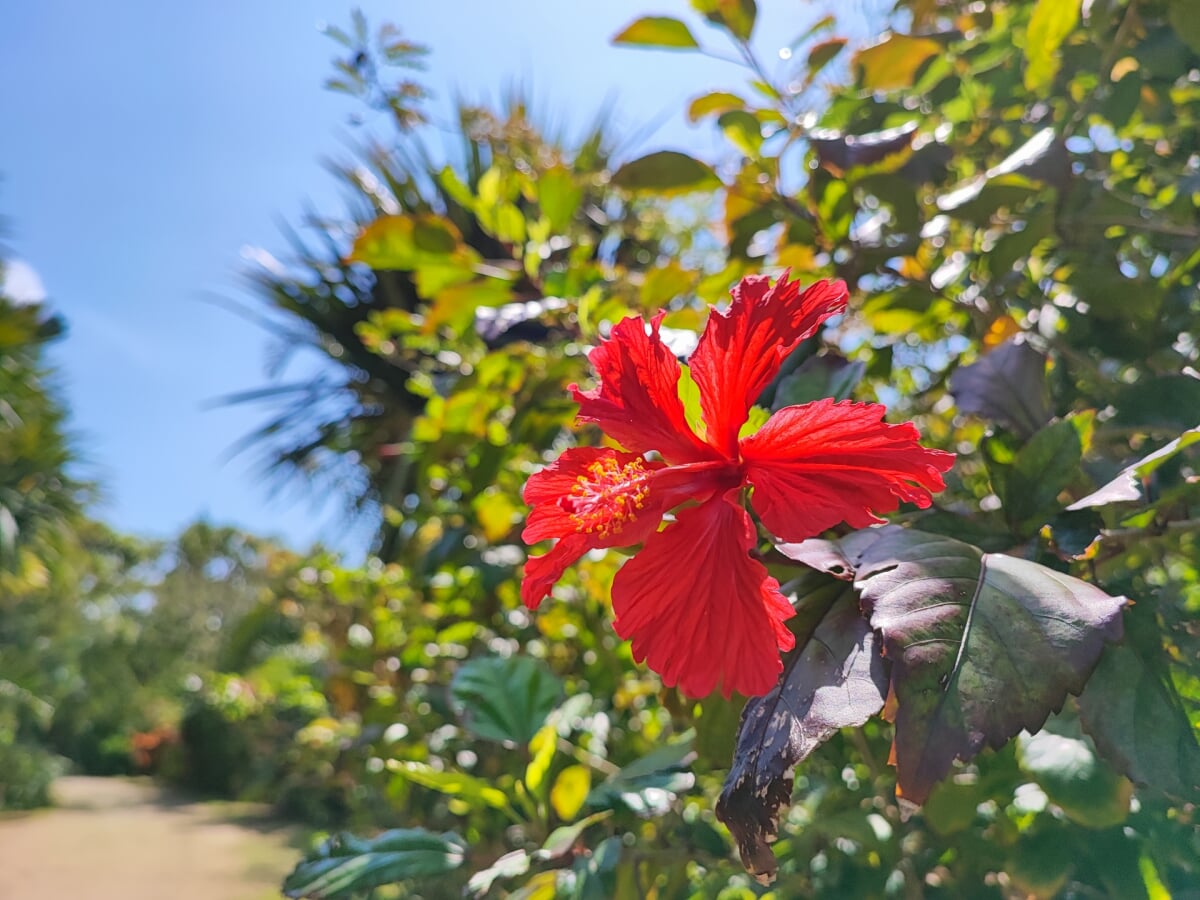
pixel 592 497
pixel 542 572
pixel 637 400
pixel 699 610
pixel 816 465
pixel 741 349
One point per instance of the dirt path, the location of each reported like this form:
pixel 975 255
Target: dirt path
pixel 127 839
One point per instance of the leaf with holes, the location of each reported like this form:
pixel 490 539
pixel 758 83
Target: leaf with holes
pixel 835 679
pixel 982 645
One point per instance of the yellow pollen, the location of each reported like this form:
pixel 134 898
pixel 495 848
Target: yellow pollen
pixel 608 497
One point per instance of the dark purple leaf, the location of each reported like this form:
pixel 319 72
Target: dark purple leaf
pixel 982 645
pixel 503 325
pixel 824 556
pixel 838 151
pixel 836 678
pixel 1007 386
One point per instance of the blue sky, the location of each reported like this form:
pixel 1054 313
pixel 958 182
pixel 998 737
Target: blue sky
pixel 146 144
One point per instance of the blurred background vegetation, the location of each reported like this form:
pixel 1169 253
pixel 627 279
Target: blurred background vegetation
pixel 1010 189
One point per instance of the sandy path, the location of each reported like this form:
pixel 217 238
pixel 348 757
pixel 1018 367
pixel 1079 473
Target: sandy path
pixel 127 839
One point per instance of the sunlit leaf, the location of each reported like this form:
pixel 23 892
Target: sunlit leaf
pixel 510 865
pixel 1064 764
pixel 455 784
pixel 715 103
pixel 893 63
pixel 345 865
pixel 403 242
pixel 1126 487
pixel 648 785
pixel 570 790
pixel 657 31
pixel 666 172
pixel 1051 22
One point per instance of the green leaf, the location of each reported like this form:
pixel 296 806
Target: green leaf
pixel 715 103
pixel 505 699
pixel 1127 485
pixel 647 785
pixel 1166 403
pixel 735 16
pixel 510 865
pixel 541 750
pixel 893 64
pixel 562 839
pixel 455 784
pixel 982 645
pixel 743 130
pixel 570 790
pixel 657 31
pixel 1041 470
pixel 1133 712
pixel 403 242
pixel 559 196
pixel 346 865
pixel 835 679
pixel 823 54
pixel 827 375
pixel 666 172
pixel 1051 22
pixel 1063 761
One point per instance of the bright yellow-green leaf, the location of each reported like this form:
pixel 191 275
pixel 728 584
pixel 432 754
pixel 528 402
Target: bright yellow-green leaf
pixel 559 196
pixel 570 790
pixel 404 242
pixel 455 306
pixel 665 284
pixel 893 63
pixel 657 31
pixel 496 514
pixel 689 395
pixel 456 784
pixel 541 749
pixel 1051 22
pixel 714 104
pixel 743 131
pixel 754 421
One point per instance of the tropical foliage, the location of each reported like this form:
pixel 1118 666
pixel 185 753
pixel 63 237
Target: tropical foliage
pixel 996 694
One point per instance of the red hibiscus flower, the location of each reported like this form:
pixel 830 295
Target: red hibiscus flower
pixel 699 608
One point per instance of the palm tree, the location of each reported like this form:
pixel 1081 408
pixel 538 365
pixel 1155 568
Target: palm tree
pixel 385 296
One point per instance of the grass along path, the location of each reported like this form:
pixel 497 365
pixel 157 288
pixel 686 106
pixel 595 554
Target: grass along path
pixel 128 839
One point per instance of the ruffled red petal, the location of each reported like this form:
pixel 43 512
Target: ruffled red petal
pixel 741 349
pixel 591 498
pixel 542 572
pixel 699 610
pixel 816 465
pixel 637 399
